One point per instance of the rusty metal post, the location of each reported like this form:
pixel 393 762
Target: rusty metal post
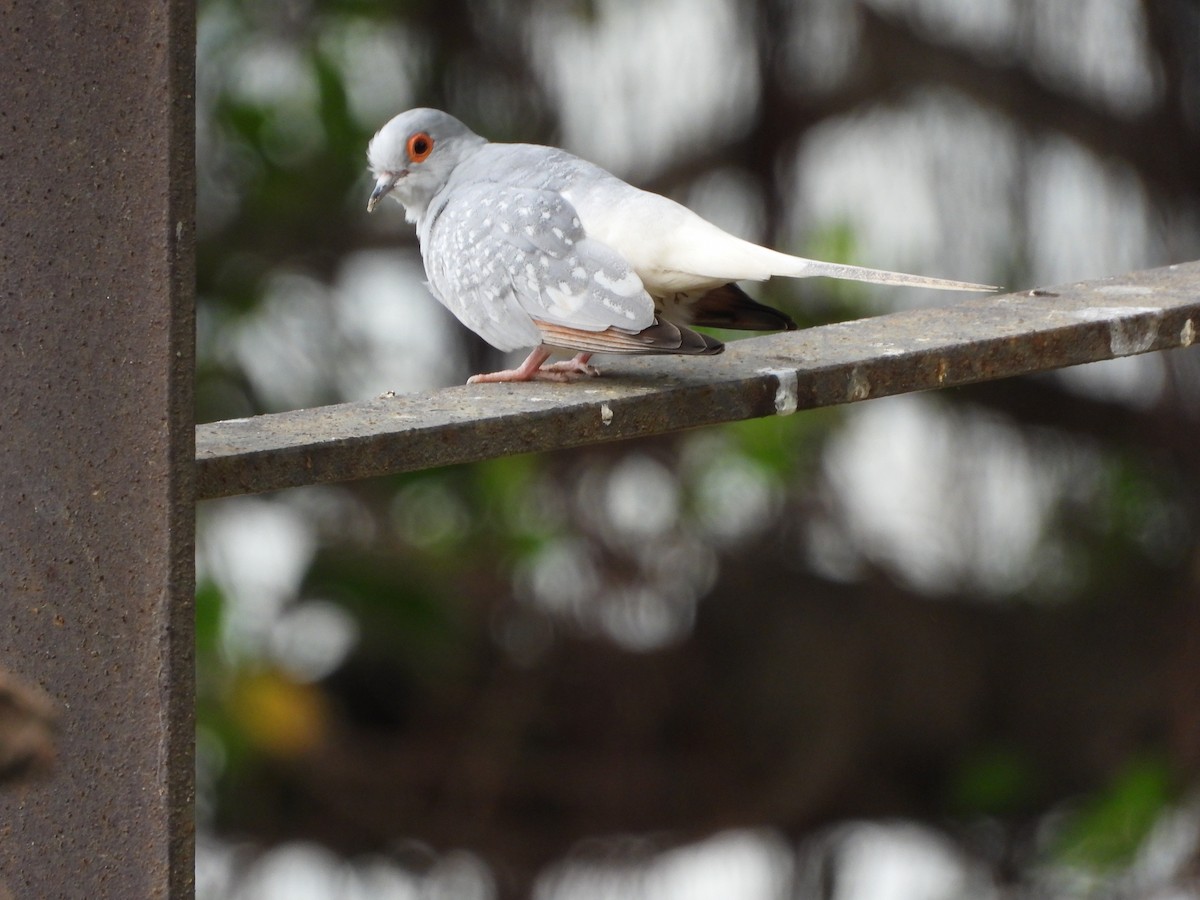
pixel 96 438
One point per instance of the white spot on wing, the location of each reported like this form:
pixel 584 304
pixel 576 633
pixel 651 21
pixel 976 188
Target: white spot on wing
pixel 562 302
pixel 627 285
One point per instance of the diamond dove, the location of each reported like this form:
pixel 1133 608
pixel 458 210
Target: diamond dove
pixel 530 246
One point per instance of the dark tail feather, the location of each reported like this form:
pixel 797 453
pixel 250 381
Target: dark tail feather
pixel 730 307
pixel 668 337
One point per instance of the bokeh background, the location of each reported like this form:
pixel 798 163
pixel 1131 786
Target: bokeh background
pixel 934 646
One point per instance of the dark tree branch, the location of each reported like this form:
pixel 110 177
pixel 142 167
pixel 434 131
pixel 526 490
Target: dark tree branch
pixel 1158 144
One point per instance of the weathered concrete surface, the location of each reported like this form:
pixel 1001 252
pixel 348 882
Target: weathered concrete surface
pixel 983 339
pixel 96 439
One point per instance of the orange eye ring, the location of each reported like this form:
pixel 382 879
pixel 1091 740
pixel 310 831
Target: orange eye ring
pixel 420 145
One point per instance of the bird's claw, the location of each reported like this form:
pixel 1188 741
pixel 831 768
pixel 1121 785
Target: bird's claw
pixel 570 368
pixel 559 372
pixel 532 370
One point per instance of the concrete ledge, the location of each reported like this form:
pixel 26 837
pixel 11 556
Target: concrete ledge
pixel 987 338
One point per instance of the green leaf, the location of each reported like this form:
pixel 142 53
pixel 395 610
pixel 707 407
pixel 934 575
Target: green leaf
pixel 1109 828
pixel 995 781
pixel 209 607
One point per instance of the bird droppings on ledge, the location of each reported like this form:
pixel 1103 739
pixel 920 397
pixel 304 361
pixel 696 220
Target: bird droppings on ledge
pixel 1127 336
pixel 978 340
pixel 858 386
pixel 787 397
pixel 1132 329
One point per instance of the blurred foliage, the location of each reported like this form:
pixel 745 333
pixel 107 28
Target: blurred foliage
pixel 538 650
pixel 1111 826
pixel 997 781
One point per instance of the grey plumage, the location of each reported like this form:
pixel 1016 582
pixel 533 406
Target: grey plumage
pixel 530 246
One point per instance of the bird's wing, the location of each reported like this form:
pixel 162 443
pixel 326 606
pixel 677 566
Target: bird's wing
pixel 504 259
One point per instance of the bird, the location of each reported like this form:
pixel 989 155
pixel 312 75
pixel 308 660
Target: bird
pixel 530 246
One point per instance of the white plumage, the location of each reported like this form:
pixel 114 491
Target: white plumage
pixel 530 246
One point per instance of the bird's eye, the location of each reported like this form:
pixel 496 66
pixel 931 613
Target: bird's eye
pixel 420 145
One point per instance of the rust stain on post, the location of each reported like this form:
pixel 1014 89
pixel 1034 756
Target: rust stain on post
pixel 96 439
pixel 982 339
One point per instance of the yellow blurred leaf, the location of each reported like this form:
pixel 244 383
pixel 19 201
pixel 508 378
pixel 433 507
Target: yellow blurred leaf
pixel 277 715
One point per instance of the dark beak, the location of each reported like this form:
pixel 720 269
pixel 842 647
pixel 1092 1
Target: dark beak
pixel 383 187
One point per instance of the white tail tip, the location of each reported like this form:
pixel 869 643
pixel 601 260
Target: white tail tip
pixel 880 276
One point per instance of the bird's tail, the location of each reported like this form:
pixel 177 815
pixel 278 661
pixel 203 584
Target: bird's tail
pixel 812 267
pixel 704 249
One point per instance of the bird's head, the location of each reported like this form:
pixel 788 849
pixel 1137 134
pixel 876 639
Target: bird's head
pixel 413 155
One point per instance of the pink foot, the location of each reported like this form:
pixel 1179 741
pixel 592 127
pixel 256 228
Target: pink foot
pixel 576 365
pixel 533 370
